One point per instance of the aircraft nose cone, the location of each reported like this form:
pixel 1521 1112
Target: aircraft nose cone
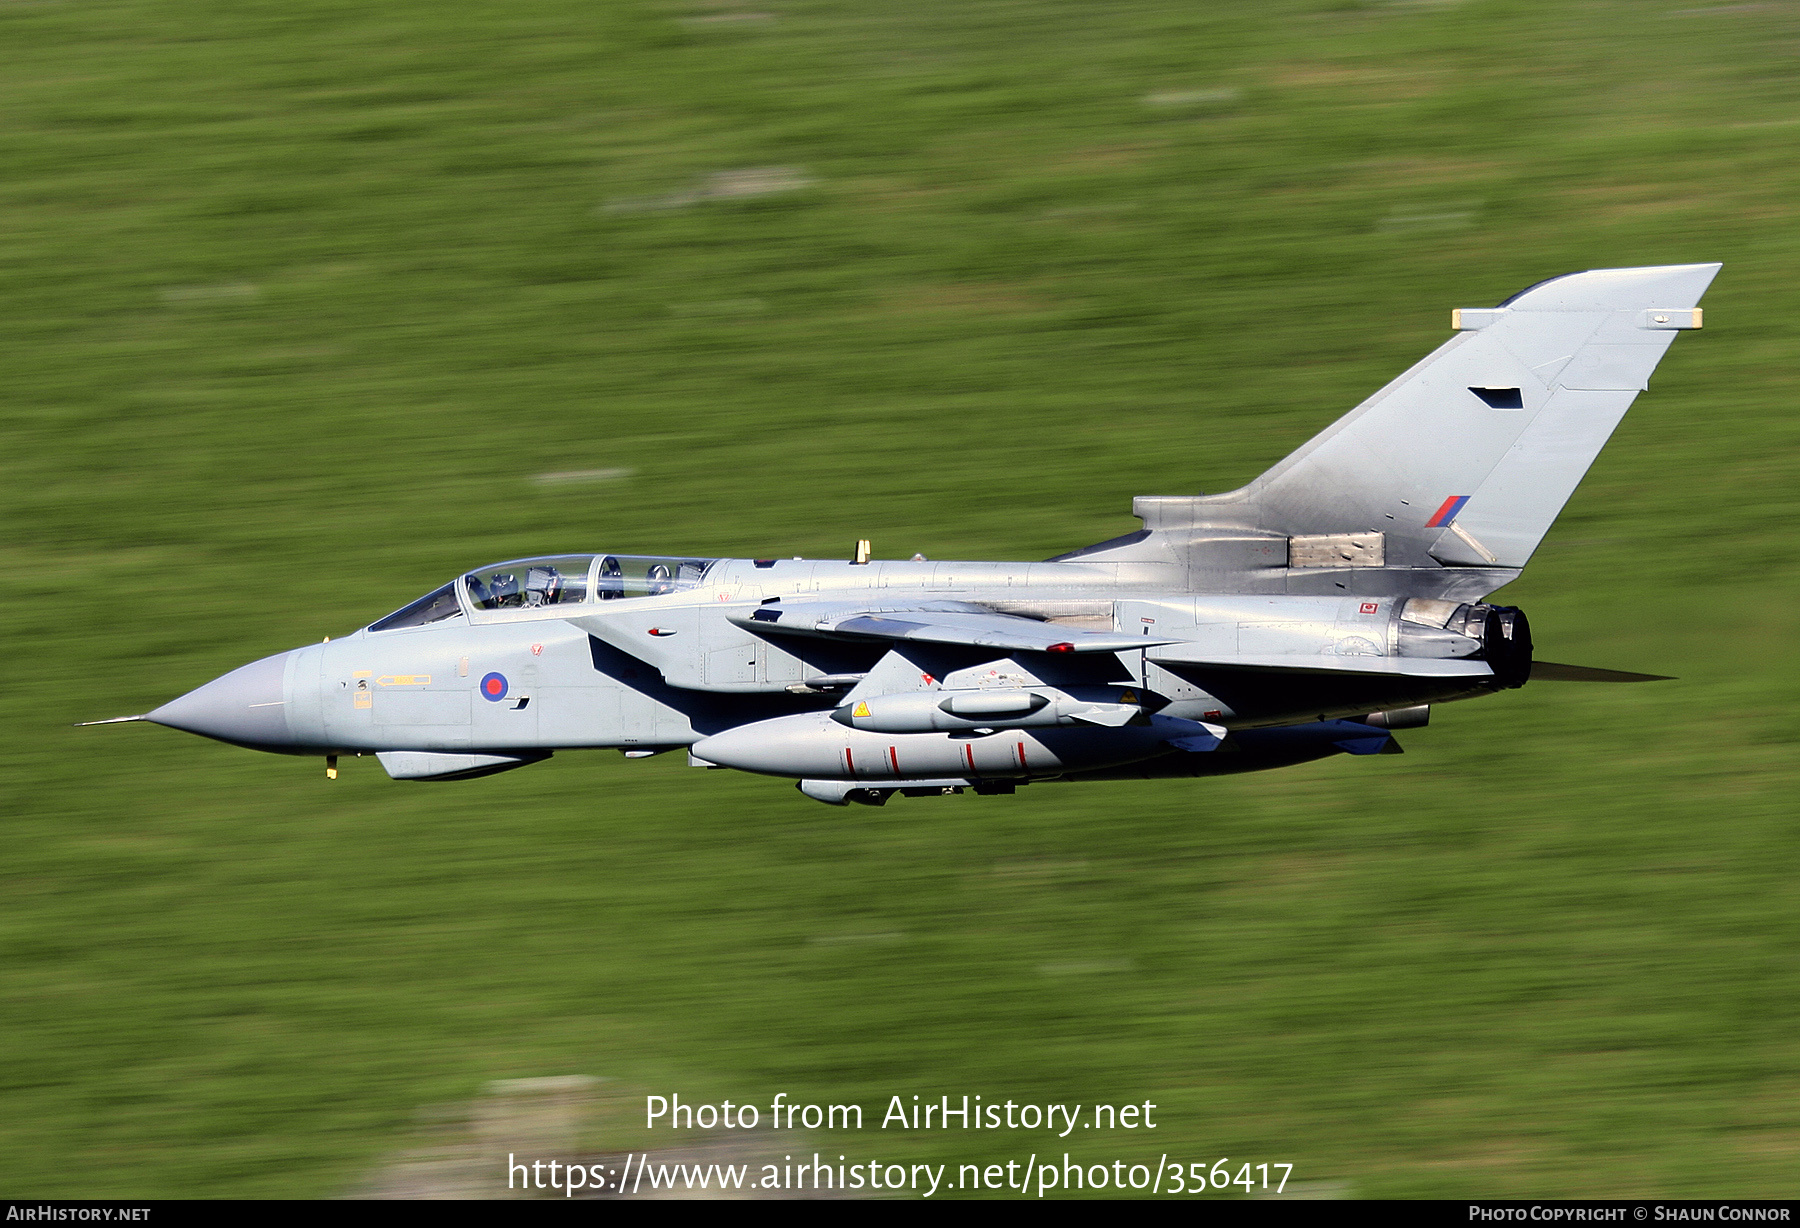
pixel 244 707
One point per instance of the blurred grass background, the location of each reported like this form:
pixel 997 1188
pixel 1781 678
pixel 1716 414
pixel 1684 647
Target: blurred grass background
pixel 299 297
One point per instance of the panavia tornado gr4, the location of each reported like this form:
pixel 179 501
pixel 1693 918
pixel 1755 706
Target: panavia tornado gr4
pixel 1311 613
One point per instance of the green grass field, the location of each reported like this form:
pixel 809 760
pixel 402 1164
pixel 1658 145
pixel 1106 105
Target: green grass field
pixel 299 297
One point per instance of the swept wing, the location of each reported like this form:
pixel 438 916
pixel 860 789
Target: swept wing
pixel 934 622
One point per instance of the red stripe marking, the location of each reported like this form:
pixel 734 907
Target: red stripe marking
pixel 894 758
pixel 969 754
pixel 1022 755
pixel 849 763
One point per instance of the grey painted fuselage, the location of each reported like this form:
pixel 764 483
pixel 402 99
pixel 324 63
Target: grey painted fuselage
pixel 1303 615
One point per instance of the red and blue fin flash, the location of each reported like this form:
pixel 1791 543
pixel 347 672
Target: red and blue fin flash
pixel 1452 507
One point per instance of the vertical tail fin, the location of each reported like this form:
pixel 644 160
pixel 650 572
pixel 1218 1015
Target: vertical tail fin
pixel 1449 477
pixel 1467 458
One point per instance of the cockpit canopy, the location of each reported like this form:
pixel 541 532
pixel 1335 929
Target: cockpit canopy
pixel 579 578
pixel 560 580
pixel 529 583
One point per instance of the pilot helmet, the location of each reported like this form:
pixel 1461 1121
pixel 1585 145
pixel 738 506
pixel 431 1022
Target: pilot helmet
pixel 612 579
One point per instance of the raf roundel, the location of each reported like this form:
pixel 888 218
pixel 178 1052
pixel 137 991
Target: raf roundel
pixel 493 687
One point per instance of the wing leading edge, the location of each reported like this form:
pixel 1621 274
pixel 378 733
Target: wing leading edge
pixel 963 625
pixel 937 622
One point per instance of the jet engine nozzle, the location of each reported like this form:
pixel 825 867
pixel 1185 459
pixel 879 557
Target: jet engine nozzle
pixel 1497 634
pixel 1506 644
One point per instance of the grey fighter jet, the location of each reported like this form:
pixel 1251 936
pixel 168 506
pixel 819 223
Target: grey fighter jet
pixel 1311 613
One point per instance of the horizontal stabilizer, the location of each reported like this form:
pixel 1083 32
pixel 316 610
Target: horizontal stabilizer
pixel 1550 671
pixel 1407 667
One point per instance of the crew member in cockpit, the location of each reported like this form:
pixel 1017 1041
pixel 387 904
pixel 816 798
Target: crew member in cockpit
pixel 498 593
pixel 611 585
pixel 543 586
